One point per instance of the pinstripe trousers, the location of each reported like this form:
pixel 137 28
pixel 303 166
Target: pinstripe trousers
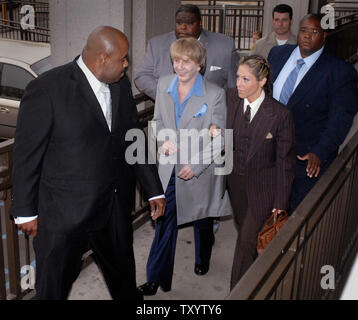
pixel 247 225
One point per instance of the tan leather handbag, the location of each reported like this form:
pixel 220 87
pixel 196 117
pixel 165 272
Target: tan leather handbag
pixel 271 227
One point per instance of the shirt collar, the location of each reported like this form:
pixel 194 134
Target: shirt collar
pixel 310 60
pixel 255 105
pixel 93 81
pixel 196 90
pixel 173 85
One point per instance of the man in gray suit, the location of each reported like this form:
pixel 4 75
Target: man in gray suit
pixel 221 55
pixel 281 24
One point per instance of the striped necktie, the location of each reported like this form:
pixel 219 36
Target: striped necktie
pixel 288 86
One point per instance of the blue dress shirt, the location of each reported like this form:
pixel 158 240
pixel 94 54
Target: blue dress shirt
pixel 197 90
pixel 290 65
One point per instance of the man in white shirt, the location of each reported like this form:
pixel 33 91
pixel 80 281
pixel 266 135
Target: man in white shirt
pixel 72 188
pixel 281 23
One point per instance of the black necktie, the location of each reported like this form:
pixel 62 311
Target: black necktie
pixel 247 115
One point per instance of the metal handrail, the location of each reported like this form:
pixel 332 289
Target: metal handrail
pixel 323 230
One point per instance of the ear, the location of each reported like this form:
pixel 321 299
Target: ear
pixel 262 82
pixel 103 58
pixel 325 35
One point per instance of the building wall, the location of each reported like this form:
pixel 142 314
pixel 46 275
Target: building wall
pixel 71 22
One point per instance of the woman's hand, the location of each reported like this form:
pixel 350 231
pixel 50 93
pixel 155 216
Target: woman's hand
pixel 214 131
pixel 186 173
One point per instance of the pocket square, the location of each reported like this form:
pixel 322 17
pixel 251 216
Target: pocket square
pixel 214 68
pixel 269 136
pixel 201 112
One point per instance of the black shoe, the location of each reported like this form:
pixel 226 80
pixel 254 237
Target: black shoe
pixel 201 269
pixel 149 288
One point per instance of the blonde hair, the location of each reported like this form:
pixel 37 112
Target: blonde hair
pixel 259 68
pixel 191 48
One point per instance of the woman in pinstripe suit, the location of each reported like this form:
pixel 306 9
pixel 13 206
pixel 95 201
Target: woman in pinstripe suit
pixel 263 157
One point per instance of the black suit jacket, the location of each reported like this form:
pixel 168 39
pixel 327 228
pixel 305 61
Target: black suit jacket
pixel 270 163
pixel 68 166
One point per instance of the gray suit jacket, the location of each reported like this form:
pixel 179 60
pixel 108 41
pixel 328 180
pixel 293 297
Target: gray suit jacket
pixel 264 45
pixel 201 196
pixel 221 61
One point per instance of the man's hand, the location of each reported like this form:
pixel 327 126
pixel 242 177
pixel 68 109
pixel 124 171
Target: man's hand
pixel 168 148
pixel 186 173
pixel 157 208
pixel 29 228
pixel 314 164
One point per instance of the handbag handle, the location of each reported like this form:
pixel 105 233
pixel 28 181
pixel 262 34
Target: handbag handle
pixel 275 215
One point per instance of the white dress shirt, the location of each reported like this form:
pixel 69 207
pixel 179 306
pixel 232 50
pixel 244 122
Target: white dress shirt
pixel 255 105
pixel 290 65
pixel 98 88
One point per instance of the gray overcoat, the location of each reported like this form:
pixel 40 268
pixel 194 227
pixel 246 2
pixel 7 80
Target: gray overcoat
pixel 201 196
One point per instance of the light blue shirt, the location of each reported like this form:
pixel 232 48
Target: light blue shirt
pixel 197 90
pixel 290 65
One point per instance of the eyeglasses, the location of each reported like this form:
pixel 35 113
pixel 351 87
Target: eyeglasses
pixel 313 32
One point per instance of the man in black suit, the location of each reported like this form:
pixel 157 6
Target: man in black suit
pixel 72 186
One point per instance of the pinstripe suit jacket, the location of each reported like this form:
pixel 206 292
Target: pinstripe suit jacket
pixel 271 157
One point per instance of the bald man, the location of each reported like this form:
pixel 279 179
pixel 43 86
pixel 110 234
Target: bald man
pixel 72 187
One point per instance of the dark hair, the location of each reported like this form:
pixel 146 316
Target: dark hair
pixel 282 8
pixel 259 67
pixel 190 8
pixel 314 16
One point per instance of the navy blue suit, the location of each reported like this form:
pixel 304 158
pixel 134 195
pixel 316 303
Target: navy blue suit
pixel 323 106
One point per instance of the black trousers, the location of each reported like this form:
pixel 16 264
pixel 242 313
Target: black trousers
pixel 248 228
pixel 59 258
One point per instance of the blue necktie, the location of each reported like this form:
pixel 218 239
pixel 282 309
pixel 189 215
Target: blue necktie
pixel 288 86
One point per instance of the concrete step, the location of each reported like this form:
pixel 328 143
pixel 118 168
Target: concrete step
pixel 186 284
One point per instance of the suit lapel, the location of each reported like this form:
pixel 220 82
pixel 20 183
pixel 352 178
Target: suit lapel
pixel 263 123
pixel 193 106
pixel 169 106
pixel 313 76
pixel 88 95
pixel 115 96
pixel 281 61
pixel 204 38
pixel 237 111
